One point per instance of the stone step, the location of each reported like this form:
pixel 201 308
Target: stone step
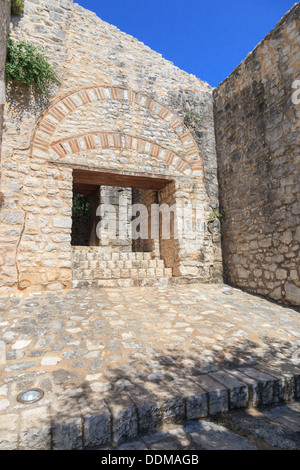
pixel 95 253
pixel 82 274
pixel 118 264
pixel 93 267
pixel 126 282
pixel 128 410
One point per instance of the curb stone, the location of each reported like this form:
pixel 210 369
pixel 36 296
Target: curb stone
pixel 119 417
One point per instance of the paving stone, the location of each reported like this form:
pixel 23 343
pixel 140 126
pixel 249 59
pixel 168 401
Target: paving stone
pixel 97 425
pixel 285 385
pixel 124 418
pixel 166 444
pixel 20 366
pixel 288 416
pixel 4 404
pixel 150 415
pixel 67 433
pixel 35 429
pixel 195 398
pixel 9 425
pixel 210 436
pixel 238 391
pixel 252 384
pixel 155 437
pixel 138 445
pixel 3 390
pixel 21 344
pixel 217 394
pixel 181 437
pixel 267 384
pixel 171 402
pixel 62 376
pixel 271 432
pixel 50 361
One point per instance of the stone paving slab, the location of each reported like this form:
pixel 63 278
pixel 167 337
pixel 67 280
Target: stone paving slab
pixel 115 364
pixel 278 427
pixel 211 436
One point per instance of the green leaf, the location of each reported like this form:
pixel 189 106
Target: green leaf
pixel 27 63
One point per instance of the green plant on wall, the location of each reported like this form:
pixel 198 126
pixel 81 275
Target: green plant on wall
pixel 192 116
pixel 27 63
pixel 17 7
pixel 214 215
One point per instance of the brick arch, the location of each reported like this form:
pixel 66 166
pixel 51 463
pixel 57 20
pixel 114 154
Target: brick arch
pixel 115 140
pixel 59 110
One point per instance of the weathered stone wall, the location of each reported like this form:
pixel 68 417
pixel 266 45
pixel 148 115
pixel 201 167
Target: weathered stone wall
pixel 257 133
pixel 120 106
pixel 5 6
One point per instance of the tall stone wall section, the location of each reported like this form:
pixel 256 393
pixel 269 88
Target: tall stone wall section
pixel 119 106
pixel 257 125
pixel 5 6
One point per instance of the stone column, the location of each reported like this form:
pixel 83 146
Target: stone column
pixel 147 197
pixel 113 196
pixel 169 247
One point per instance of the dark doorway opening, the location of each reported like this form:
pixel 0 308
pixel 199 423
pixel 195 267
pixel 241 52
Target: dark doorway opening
pixel 80 220
pixel 91 188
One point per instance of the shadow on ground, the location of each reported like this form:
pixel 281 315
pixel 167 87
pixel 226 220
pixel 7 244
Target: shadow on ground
pixel 131 404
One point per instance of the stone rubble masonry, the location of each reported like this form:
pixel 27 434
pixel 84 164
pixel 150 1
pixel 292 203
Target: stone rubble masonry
pixel 121 107
pixel 257 129
pixel 5 6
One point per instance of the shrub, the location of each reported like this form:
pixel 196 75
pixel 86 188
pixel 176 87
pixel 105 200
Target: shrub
pixel 17 7
pixel 28 64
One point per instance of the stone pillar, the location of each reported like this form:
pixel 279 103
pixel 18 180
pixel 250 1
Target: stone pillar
pixel 147 197
pixel 168 246
pixel 117 197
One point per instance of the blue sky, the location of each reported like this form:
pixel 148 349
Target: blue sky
pixel 207 38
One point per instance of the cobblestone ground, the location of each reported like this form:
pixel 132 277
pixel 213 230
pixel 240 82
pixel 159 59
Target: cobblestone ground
pixel 275 428
pixel 108 342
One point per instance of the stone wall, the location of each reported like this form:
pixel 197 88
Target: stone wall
pixel 4 27
pixel 121 108
pixel 257 133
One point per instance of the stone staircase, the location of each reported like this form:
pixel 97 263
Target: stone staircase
pixel 93 267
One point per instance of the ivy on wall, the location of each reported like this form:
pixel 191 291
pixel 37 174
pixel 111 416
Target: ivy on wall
pixel 17 7
pixel 28 64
